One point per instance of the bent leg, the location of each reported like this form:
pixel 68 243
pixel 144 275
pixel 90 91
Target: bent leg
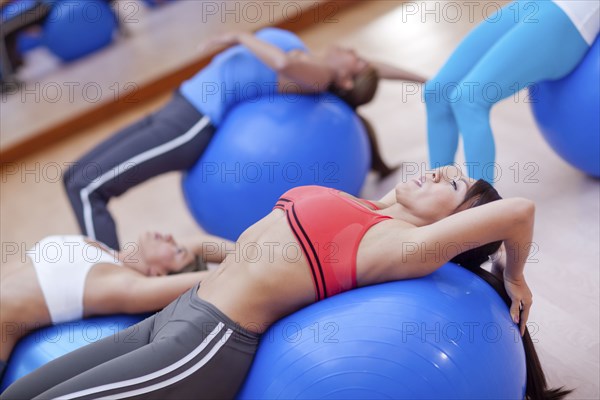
pixel 169 140
pixel 83 359
pixel 166 368
pixel 548 47
pixel 88 169
pixel 442 128
pixel 195 352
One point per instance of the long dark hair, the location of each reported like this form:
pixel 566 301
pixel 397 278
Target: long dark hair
pixel 537 388
pixel 362 92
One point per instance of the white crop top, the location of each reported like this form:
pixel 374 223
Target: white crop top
pixel 585 15
pixel 62 264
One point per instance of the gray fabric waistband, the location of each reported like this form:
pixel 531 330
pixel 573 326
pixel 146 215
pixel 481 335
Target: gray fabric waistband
pixel 241 333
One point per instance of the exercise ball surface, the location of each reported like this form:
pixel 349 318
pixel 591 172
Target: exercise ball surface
pixel 16 8
pixel 76 29
pixel 448 335
pixel 266 147
pixel 46 344
pixel 26 40
pixel 566 111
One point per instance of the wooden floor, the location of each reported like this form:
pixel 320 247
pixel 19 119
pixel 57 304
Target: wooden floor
pixel 564 271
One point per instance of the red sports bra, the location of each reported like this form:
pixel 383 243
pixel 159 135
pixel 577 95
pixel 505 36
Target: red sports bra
pixel 329 227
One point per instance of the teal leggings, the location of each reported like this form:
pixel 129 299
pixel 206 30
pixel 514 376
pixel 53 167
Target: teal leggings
pixel 523 43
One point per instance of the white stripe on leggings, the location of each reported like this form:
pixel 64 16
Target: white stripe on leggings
pixel 161 372
pixel 175 378
pixel 119 169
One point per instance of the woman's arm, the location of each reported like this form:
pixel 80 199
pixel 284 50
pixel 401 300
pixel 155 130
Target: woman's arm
pixel 387 71
pixel 212 248
pixel 507 220
pixel 154 293
pixel 132 293
pixel 295 66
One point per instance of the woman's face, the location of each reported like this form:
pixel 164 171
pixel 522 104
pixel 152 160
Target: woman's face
pixel 346 64
pixel 435 195
pixel 160 254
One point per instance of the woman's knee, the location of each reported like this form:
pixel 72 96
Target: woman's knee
pixel 71 179
pixel 436 94
pixel 78 177
pixel 470 99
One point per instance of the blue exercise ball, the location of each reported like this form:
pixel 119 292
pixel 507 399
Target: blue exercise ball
pixel 74 29
pixel 566 111
pixel 26 40
pixel 448 335
pixel 46 344
pixel 16 8
pixel 265 147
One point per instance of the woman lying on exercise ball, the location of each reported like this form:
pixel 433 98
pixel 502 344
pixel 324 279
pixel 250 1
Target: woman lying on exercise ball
pixel 317 242
pixel 65 278
pixel 174 137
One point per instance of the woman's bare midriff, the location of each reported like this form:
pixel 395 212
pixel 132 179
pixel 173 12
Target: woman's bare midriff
pixel 266 278
pixel 22 305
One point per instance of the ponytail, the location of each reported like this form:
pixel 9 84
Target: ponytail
pixel 481 192
pixel 377 163
pixel 537 386
pixel 362 92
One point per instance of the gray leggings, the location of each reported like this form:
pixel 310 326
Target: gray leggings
pixel 171 139
pixel 189 350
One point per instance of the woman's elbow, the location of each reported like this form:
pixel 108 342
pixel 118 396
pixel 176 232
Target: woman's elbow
pixel 524 210
pixel 282 64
